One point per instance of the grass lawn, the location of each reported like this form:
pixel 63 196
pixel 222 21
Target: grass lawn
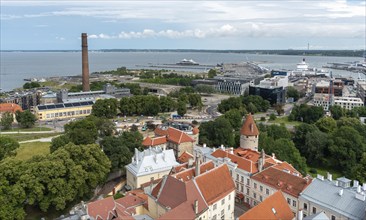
pixel 28 150
pixel 323 171
pixel 32 129
pixel 25 137
pixel 285 121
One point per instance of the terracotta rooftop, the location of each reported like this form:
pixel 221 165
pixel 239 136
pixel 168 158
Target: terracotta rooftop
pixel 281 180
pixel 190 173
pixel 102 209
pixel 284 166
pixel 215 184
pixel 251 155
pixel 184 157
pixel 243 163
pixel 148 141
pixel 174 135
pixel 10 107
pixel 182 203
pixel 195 130
pixel 249 127
pixel 273 207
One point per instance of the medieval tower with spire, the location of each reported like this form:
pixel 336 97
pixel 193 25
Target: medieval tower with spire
pixel 249 134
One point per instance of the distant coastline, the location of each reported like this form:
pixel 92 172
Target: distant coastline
pixel 338 53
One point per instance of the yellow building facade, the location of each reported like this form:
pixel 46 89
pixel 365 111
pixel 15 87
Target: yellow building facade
pixel 49 112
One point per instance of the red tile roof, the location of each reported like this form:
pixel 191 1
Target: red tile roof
pixel 273 207
pixel 102 209
pixel 184 157
pixel 10 107
pixel 249 127
pixel 284 166
pixel 195 130
pixel 243 163
pixel 174 135
pixel 148 141
pixel 215 184
pixel 251 155
pixel 182 203
pixel 190 173
pixel 282 180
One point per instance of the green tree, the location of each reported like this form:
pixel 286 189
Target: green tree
pixel 230 103
pixel 306 113
pixel 279 109
pixel 182 108
pixel 6 120
pixel 235 118
pixel 31 85
pixel 337 111
pixel 26 119
pixel 12 197
pixel 7 146
pixel 292 93
pixel 222 133
pixel 278 131
pixel 58 142
pixel 316 147
pixel 205 89
pixel 326 124
pixel 82 132
pixel 105 108
pixel 212 73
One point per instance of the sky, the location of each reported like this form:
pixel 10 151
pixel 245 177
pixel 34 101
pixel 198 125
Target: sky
pixel 236 25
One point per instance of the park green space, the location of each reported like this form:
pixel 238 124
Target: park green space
pixel 30 136
pixel 28 150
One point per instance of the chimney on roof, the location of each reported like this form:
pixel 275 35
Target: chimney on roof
pixel 151 184
pixel 359 189
pixel 137 155
pixel 85 62
pixel 197 167
pixel 329 176
pixel 273 155
pixel 222 147
pixel 196 206
pixel 355 183
pixel 204 145
pixel 364 186
pixel 340 192
pixel 300 215
pixel 231 150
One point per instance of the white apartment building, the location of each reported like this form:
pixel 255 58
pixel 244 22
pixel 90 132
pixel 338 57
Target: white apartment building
pixel 150 163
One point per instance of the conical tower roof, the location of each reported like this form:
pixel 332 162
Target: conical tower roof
pixel 249 127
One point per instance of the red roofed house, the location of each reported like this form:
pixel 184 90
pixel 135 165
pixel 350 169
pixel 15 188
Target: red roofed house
pixel 191 194
pixel 249 134
pixel 273 207
pixel 273 179
pixel 9 107
pixel 172 138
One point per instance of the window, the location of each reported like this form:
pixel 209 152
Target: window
pixel 242 179
pixel 255 185
pixel 223 201
pixel 305 206
pixel 214 217
pixel 242 188
pixel 247 191
pixel 314 210
pixel 223 212
pixel 215 206
pixel 237 177
pixel 333 217
pixel 294 203
pixel 228 207
pixel 260 198
pixel 248 182
pixel 289 201
pixel 248 200
pixel 229 196
pixel 255 195
pixel 261 188
pixel 267 191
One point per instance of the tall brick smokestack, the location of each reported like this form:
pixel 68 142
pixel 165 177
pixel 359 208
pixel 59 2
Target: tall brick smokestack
pixel 85 62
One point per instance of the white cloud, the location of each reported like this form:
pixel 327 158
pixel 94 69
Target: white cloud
pixel 60 38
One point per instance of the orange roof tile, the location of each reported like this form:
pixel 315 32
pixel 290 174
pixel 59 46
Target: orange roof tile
pixel 195 130
pixel 251 155
pixel 189 174
pixel 249 127
pixel 273 207
pixel 215 184
pixel 184 157
pixel 10 107
pixel 160 132
pixel 284 166
pixel 243 163
pixel 282 180
pixel 148 141
pixel 102 209
pixel 177 136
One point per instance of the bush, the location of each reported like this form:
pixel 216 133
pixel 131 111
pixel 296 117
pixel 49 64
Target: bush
pixel 263 118
pixel 313 170
pixel 272 117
